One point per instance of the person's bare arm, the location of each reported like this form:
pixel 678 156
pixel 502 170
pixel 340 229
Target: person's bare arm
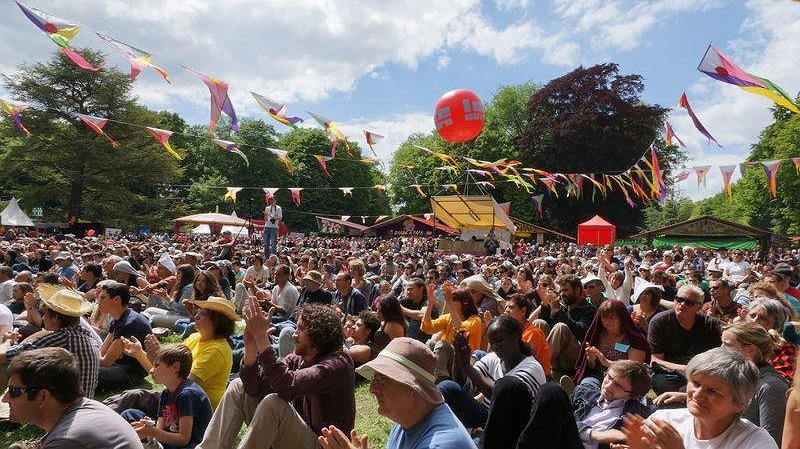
pixel 659 360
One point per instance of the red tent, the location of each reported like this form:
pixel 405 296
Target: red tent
pixel 597 232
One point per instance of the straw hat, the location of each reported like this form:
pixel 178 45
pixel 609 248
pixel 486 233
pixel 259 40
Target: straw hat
pixel 216 304
pixel 409 362
pixel 64 301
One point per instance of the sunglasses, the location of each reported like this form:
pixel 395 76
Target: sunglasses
pixel 15 392
pixel 682 300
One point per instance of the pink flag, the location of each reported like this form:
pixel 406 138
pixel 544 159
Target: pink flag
pixel 220 101
pixel 296 194
pixel 684 103
pixel 162 136
pixel 269 192
pixel 771 170
pixel 669 134
pixel 727 172
pixel 701 172
pixel 97 124
pixel 682 176
pixel 796 161
pixel 323 162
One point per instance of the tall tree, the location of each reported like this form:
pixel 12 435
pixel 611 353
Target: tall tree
pixel 68 170
pixel 590 120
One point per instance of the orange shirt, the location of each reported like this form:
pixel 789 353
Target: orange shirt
pixel 536 338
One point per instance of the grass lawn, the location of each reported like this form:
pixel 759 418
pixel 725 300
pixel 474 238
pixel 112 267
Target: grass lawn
pixel 368 421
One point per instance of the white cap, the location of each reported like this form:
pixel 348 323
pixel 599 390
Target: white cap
pixel 166 262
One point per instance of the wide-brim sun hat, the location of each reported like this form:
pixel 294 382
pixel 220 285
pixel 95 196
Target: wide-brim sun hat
pixel 313 276
pixel 64 301
pixel 478 283
pixel 409 362
pixel 216 304
pixel 126 267
pixel 639 289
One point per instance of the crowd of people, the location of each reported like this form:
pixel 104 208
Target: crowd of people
pixel 534 345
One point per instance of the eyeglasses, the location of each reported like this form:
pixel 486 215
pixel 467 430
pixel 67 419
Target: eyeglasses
pixel 15 392
pixel 682 300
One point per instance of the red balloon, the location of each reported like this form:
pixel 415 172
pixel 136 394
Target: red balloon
pixel 459 115
pixel 90 233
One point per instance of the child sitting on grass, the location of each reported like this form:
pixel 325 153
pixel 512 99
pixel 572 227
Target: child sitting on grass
pixel 184 410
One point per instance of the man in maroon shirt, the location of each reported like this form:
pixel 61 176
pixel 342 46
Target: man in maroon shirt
pixel 287 402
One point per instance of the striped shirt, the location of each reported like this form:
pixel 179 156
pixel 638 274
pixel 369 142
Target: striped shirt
pixel 529 371
pixel 79 342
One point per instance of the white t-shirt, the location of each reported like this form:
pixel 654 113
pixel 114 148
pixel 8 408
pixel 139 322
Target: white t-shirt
pixel 740 435
pixel 737 270
pixel 529 371
pixel 273 212
pixel 285 298
pixel 6 320
pixel 259 276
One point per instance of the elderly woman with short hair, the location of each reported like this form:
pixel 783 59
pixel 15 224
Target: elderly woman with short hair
pixel 771 315
pixel 721 383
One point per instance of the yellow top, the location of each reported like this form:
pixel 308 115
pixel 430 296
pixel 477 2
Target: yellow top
pixel 472 327
pixel 211 365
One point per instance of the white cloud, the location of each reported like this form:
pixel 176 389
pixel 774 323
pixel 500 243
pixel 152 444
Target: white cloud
pixel 505 5
pixel 734 117
pixel 443 62
pixel 621 24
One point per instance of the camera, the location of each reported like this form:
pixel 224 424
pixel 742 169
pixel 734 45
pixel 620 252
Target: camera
pixel 272 220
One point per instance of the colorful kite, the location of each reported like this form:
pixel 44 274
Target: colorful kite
pixel 701 172
pixel 684 103
pixel 97 124
pixel 345 217
pixel 483 173
pixel 719 67
pixel 669 133
pixel 323 162
pixel 537 202
pixel 283 155
pixel 796 160
pixel 14 109
pixel 276 110
pixel 372 139
pixel 220 101
pixel 332 130
pixel 59 31
pixel 138 59
pixel 771 170
pixel 162 136
pixel 269 192
pixel 232 191
pixel 296 194
pixel 446 158
pixel 346 191
pixel 231 147
pixel 727 173
pixel 485 184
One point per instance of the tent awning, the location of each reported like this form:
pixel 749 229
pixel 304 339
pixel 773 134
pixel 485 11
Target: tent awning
pixel 12 215
pixel 212 218
pixel 470 211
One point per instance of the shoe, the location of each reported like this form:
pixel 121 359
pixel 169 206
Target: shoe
pixel 567 384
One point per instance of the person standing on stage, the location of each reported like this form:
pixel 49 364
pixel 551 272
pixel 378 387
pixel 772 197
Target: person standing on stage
pixel 273 214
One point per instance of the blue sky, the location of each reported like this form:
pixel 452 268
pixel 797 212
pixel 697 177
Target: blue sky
pixel 382 65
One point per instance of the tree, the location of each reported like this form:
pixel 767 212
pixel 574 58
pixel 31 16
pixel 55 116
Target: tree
pixel 590 120
pixel 68 170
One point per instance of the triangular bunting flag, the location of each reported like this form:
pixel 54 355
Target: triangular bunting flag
pixel 771 170
pixel 97 124
pixel 296 194
pixel 231 147
pixel 727 173
pixel 162 136
pixel 701 172
pixel 269 192
pixel 283 155
pixel 346 191
pixel 232 191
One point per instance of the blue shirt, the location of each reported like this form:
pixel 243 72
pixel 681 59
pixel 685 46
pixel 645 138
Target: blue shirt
pixel 439 429
pixel 188 400
pixel 131 323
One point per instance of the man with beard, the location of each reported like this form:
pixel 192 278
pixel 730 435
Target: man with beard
pixel 566 320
